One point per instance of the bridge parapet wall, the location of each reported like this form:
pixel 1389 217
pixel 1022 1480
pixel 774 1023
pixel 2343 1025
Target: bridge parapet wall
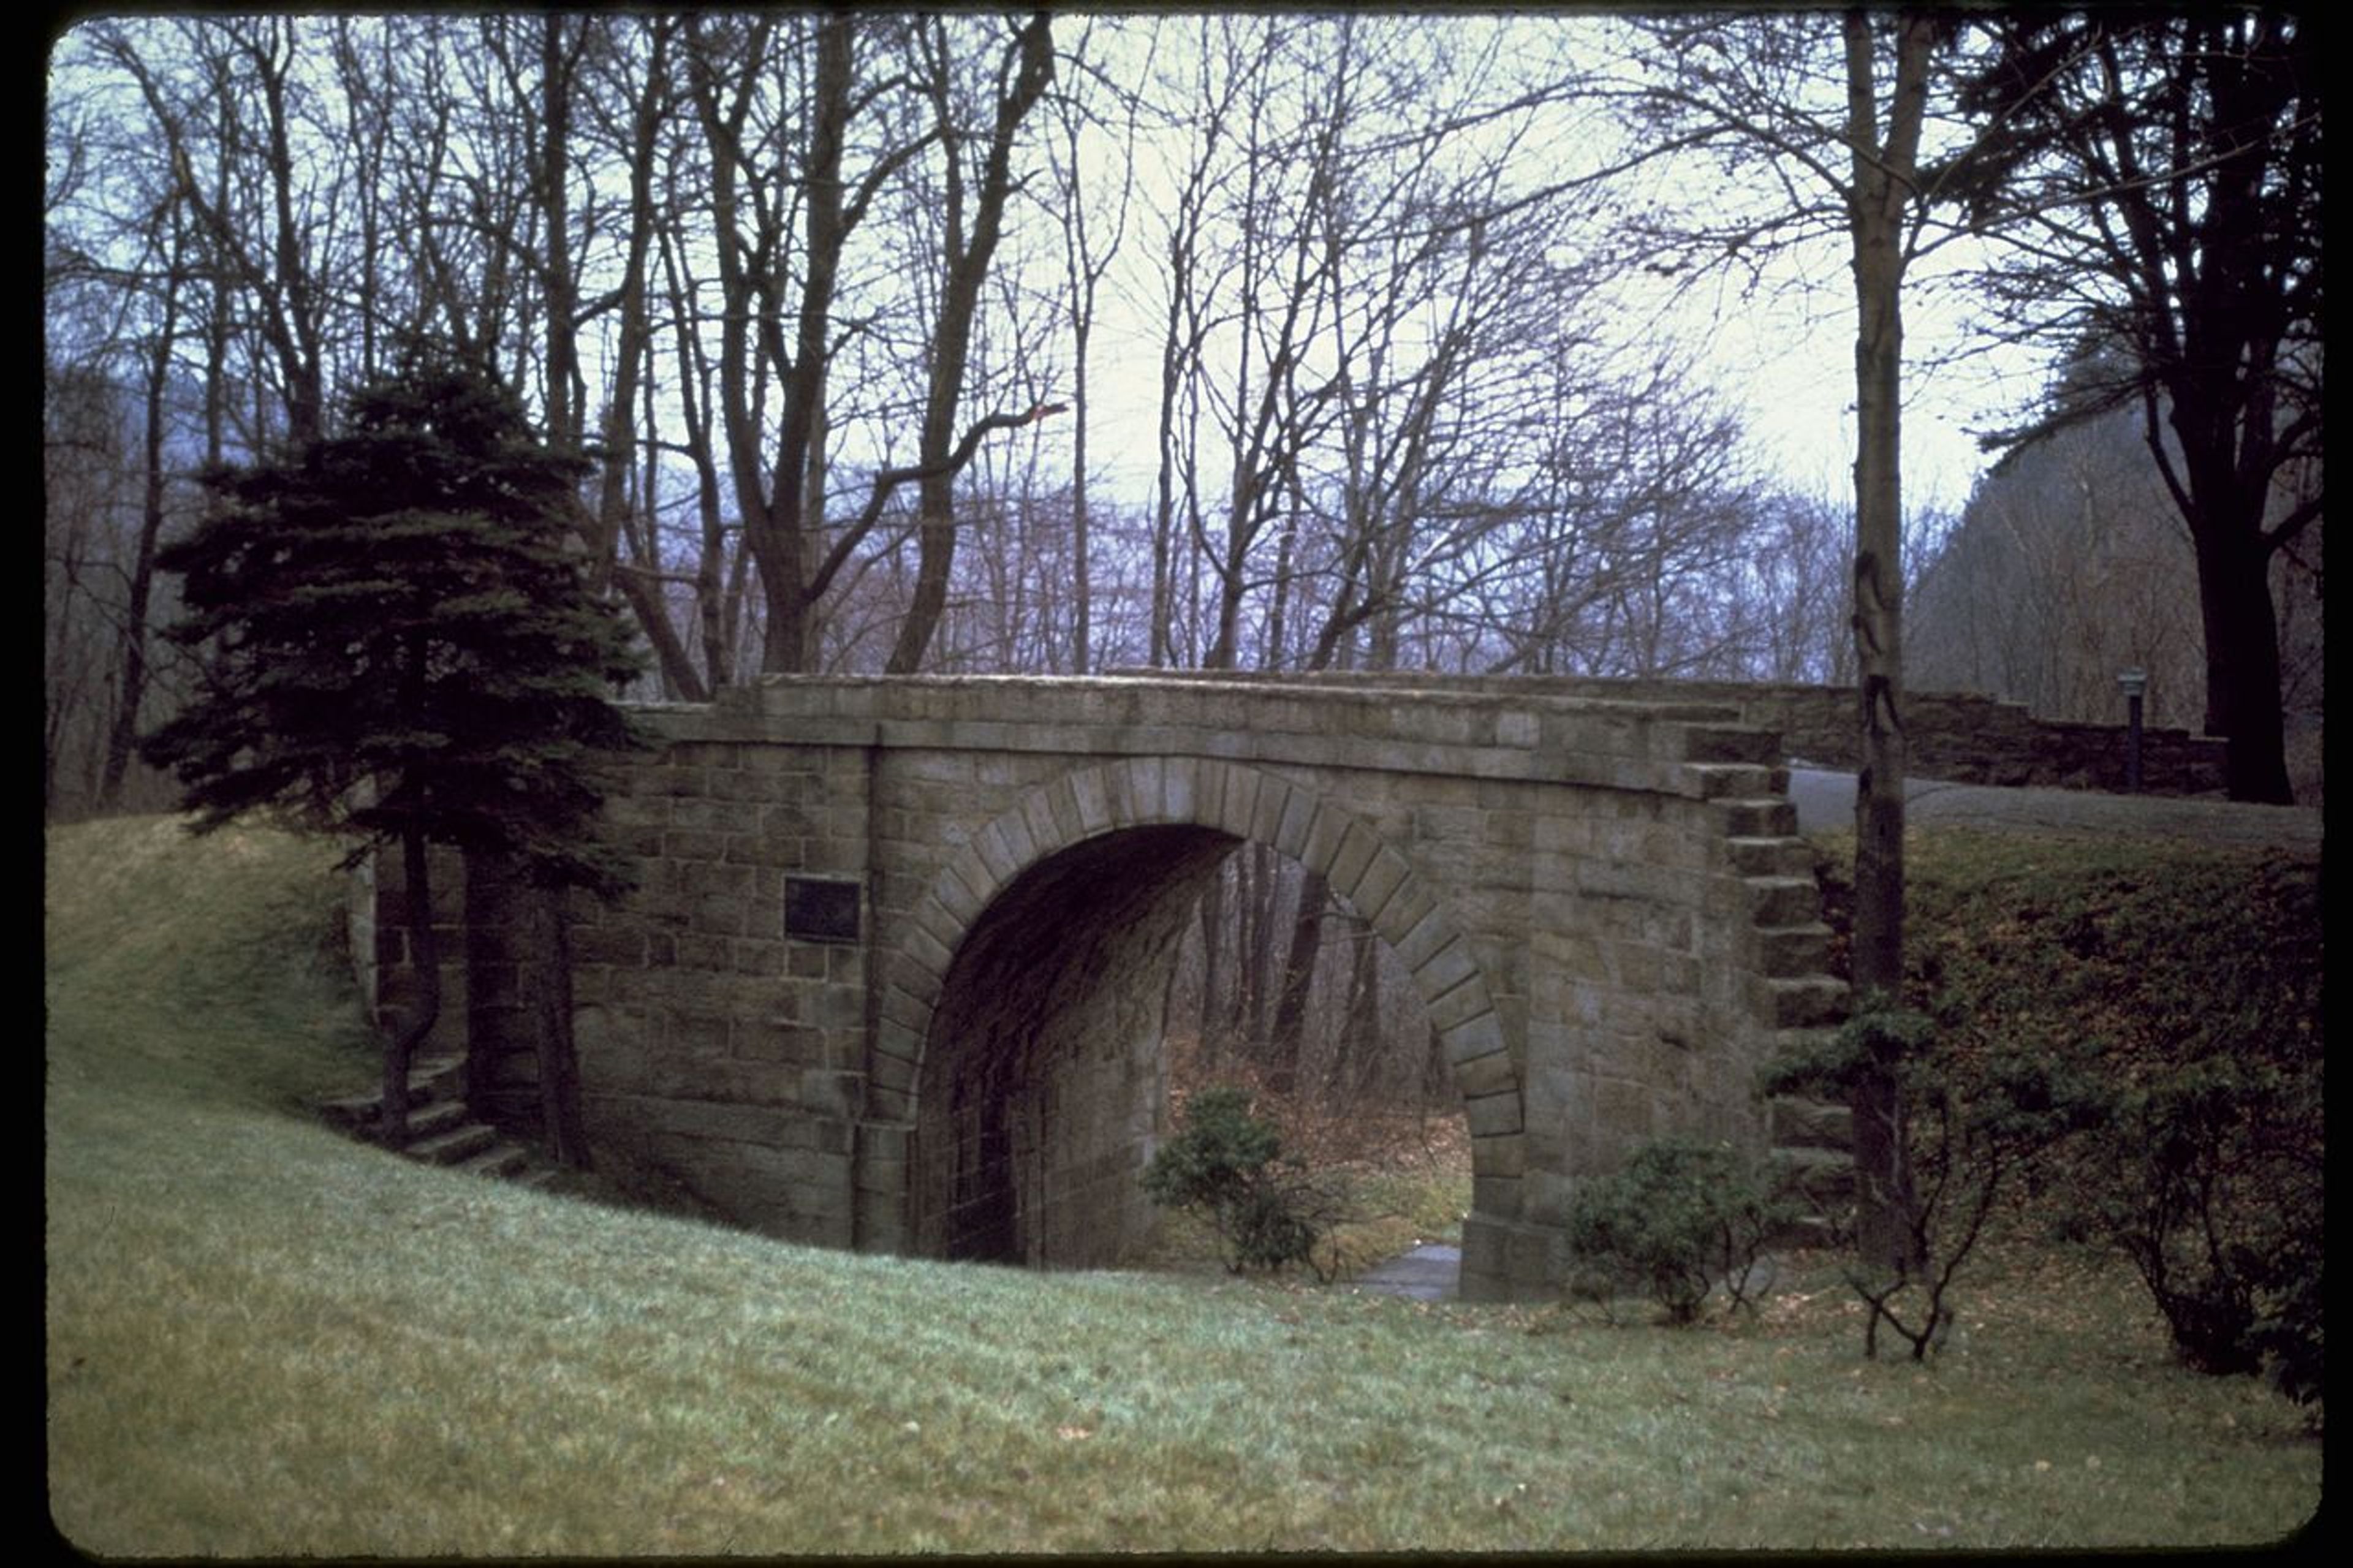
pixel 1962 736
pixel 1484 734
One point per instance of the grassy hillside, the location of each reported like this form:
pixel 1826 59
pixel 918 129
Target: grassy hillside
pixel 264 1341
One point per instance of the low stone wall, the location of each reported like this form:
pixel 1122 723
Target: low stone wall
pixel 1959 736
pixel 1970 739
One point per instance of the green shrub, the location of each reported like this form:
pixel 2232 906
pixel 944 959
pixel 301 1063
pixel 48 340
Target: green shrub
pixel 1228 1167
pixel 1965 1123
pixel 2289 1334
pixel 2208 1178
pixel 2174 996
pixel 1679 1220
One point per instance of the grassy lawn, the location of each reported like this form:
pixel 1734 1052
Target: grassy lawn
pixel 264 1341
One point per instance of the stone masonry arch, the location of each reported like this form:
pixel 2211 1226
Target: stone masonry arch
pixel 1602 902
pixel 1182 816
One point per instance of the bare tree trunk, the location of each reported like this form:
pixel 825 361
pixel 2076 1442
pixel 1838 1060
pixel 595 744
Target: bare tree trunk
pixel 1288 1027
pixel 1363 1044
pixel 425 960
pixel 1081 584
pixel 1264 890
pixel 294 318
pixel 124 734
pixel 1213 932
pixel 951 345
pixel 631 355
pixel 1878 198
pixel 1164 524
pixel 2242 663
pixel 551 1002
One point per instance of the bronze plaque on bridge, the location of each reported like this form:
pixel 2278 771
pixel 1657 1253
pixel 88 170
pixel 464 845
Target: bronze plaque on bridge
pixel 821 909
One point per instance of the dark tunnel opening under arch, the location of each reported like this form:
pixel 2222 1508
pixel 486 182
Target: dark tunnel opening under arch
pixel 1043 1077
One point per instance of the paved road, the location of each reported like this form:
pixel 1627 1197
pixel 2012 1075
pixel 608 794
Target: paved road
pixel 1430 1272
pixel 1826 799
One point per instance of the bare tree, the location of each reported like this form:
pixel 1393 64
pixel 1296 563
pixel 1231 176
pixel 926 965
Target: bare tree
pixel 88 482
pixel 808 165
pixel 1792 592
pixel 1839 126
pixel 127 295
pixel 157 355
pixel 1087 255
pixel 2159 179
pixel 972 216
pixel 272 227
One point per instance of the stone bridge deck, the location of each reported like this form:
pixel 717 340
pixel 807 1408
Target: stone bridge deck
pixel 893 974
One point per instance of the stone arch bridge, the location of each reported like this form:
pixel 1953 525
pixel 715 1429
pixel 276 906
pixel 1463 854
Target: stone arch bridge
pixel 893 974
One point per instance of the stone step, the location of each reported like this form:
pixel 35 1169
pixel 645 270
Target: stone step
pixel 1803 1002
pixel 455 1146
pixel 1774 817
pixel 431 1080
pixel 1739 781
pixel 433 1119
pixel 438 1130
pixel 1812 1124
pixel 1794 951
pixel 1770 856
pixel 502 1159
pixel 1806 1233
pixel 1825 1177
pixel 1783 901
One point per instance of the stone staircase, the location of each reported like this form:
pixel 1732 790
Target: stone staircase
pixel 1810 1142
pixel 440 1131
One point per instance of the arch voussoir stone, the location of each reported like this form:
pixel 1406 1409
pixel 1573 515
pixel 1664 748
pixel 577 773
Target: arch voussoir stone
pixel 1146 786
pixel 1121 792
pixel 933 919
pixel 1408 904
pixel 1011 829
pixel 1476 1037
pixel 1215 779
pixel 1491 1072
pixel 955 891
pixel 1375 889
pixel 996 854
pixel 1237 801
pixel 1047 813
pixel 1412 925
pixel 1178 782
pixel 1299 810
pixel 1324 831
pixel 1491 1113
pixel 1458 1005
pixel 1447 970
pixel 1349 859
pixel 909 997
pixel 925 950
pixel 1268 807
pixel 1091 795
pixel 898 1040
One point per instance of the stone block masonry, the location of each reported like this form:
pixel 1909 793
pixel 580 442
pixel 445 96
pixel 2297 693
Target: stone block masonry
pixel 1961 737
pixel 892 974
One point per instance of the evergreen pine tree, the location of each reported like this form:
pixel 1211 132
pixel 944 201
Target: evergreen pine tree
pixel 396 648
